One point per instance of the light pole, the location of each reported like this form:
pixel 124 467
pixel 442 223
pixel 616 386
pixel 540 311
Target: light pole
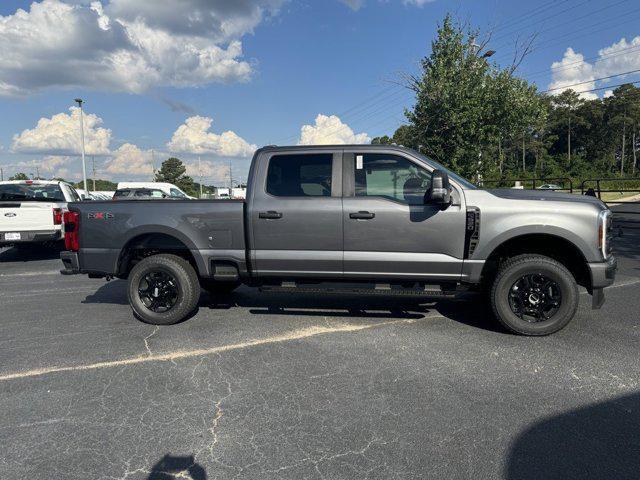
pixel 84 167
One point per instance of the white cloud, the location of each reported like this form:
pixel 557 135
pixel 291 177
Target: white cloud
pixel 354 5
pixel 329 130
pixel 60 135
pixel 130 159
pixel 620 57
pixel 417 3
pixel 194 137
pixel 572 69
pixel 126 45
pixel 607 94
pixel 212 172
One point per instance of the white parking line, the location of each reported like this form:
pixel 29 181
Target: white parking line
pixel 30 274
pixel 181 354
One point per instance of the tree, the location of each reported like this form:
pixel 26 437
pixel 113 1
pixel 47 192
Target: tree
pixel 101 185
pixel 565 109
pixel 19 176
pixel 466 108
pixel 174 171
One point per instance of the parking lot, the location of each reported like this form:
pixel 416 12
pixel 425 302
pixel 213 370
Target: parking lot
pixel 273 386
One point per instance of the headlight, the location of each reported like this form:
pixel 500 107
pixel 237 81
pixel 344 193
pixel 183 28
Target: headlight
pixel 604 232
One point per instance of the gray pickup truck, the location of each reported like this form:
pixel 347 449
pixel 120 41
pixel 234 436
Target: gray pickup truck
pixel 362 219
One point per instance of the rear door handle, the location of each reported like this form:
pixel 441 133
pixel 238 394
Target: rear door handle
pixel 271 215
pixel 362 215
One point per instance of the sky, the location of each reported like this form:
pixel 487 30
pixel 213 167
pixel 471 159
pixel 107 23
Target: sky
pixel 215 79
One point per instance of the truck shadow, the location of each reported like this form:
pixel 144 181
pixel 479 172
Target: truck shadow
pixel 30 253
pixel 468 309
pixel 594 442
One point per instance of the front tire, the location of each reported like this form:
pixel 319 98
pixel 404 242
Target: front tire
pixel 163 289
pixel 534 295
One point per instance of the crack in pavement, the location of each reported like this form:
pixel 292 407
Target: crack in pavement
pixel 181 354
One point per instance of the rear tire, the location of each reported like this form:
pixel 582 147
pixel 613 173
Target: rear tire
pixel 163 289
pixel 534 295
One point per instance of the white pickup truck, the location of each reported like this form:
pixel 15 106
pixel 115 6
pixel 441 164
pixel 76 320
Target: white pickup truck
pixel 31 211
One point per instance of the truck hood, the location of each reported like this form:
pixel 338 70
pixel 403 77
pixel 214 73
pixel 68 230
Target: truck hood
pixel 544 195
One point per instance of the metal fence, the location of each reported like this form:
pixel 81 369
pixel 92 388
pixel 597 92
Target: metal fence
pixel 563 184
pixel 626 211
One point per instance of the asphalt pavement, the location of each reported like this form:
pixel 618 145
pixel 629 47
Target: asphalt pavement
pixel 261 386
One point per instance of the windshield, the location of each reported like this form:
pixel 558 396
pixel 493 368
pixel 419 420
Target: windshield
pixel 177 193
pixel 31 192
pixel 464 183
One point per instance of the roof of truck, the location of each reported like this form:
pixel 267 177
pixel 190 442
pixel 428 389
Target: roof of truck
pixel 362 147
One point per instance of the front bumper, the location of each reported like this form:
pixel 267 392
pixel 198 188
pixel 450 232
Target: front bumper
pixel 603 274
pixel 70 262
pixel 32 236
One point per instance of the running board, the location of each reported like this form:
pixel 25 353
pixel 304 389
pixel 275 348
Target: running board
pixel 380 289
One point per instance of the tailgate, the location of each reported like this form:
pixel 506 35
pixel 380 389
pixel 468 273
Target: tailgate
pixel 26 216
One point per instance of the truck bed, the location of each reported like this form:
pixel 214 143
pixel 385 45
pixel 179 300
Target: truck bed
pixel 206 227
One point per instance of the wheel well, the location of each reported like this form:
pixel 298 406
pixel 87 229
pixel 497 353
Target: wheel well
pixel 551 246
pixel 151 244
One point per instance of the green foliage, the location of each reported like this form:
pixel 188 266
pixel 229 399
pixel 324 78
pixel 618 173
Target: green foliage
pixel 19 176
pixel 174 171
pixel 483 122
pixel 101 185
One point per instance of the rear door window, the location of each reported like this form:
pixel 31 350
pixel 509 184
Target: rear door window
pixel 303 175
pixel 31 192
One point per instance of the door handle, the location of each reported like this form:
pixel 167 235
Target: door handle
pixel 271 215
pixel 362 215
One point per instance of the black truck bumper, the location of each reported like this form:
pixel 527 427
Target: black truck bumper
pixel 603 274
pixel 31 236
pixel 70 263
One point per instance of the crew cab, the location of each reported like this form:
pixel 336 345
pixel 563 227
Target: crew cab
pixel 31 211
pixel 363 219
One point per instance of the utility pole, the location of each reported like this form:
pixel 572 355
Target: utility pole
pixel 84 166
pixel 230 178
pixel 153 164
pixel 93 171
pixel 200 175
pixel 524 165
pixel 1 175
pixel 37 173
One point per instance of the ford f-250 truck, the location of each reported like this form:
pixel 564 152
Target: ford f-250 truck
pixel 364 219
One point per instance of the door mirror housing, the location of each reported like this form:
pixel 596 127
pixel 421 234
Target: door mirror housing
pixel 440 191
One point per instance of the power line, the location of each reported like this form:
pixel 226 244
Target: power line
pixel 568 66
pixel 553 41
pixel 590 81
pixel 529 14
pixel 547 18
pixel 610 87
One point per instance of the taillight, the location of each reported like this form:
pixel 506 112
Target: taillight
pixel 57 216
pixel 71 231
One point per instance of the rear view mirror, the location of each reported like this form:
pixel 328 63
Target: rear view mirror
pixel 440 191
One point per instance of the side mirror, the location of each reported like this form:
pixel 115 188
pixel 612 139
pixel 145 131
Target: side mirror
pixel 440 191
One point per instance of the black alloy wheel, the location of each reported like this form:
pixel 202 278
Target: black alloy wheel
pixel 535 297
pixel 158 291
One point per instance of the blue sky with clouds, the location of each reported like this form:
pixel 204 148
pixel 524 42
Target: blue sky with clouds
pixel 216 78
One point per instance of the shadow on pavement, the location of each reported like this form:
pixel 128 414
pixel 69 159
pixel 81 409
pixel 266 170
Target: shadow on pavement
pixel 27 253
pixel 595 442
pixel 469 309
pixel 171 467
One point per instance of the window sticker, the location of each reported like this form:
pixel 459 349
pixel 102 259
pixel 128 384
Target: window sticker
pixel 359 162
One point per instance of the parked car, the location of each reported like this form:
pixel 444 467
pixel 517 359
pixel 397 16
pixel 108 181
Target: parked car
pixel 386 217
pixel 549 186
pixel 141 194
pixel 31 211
pixel 169 189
